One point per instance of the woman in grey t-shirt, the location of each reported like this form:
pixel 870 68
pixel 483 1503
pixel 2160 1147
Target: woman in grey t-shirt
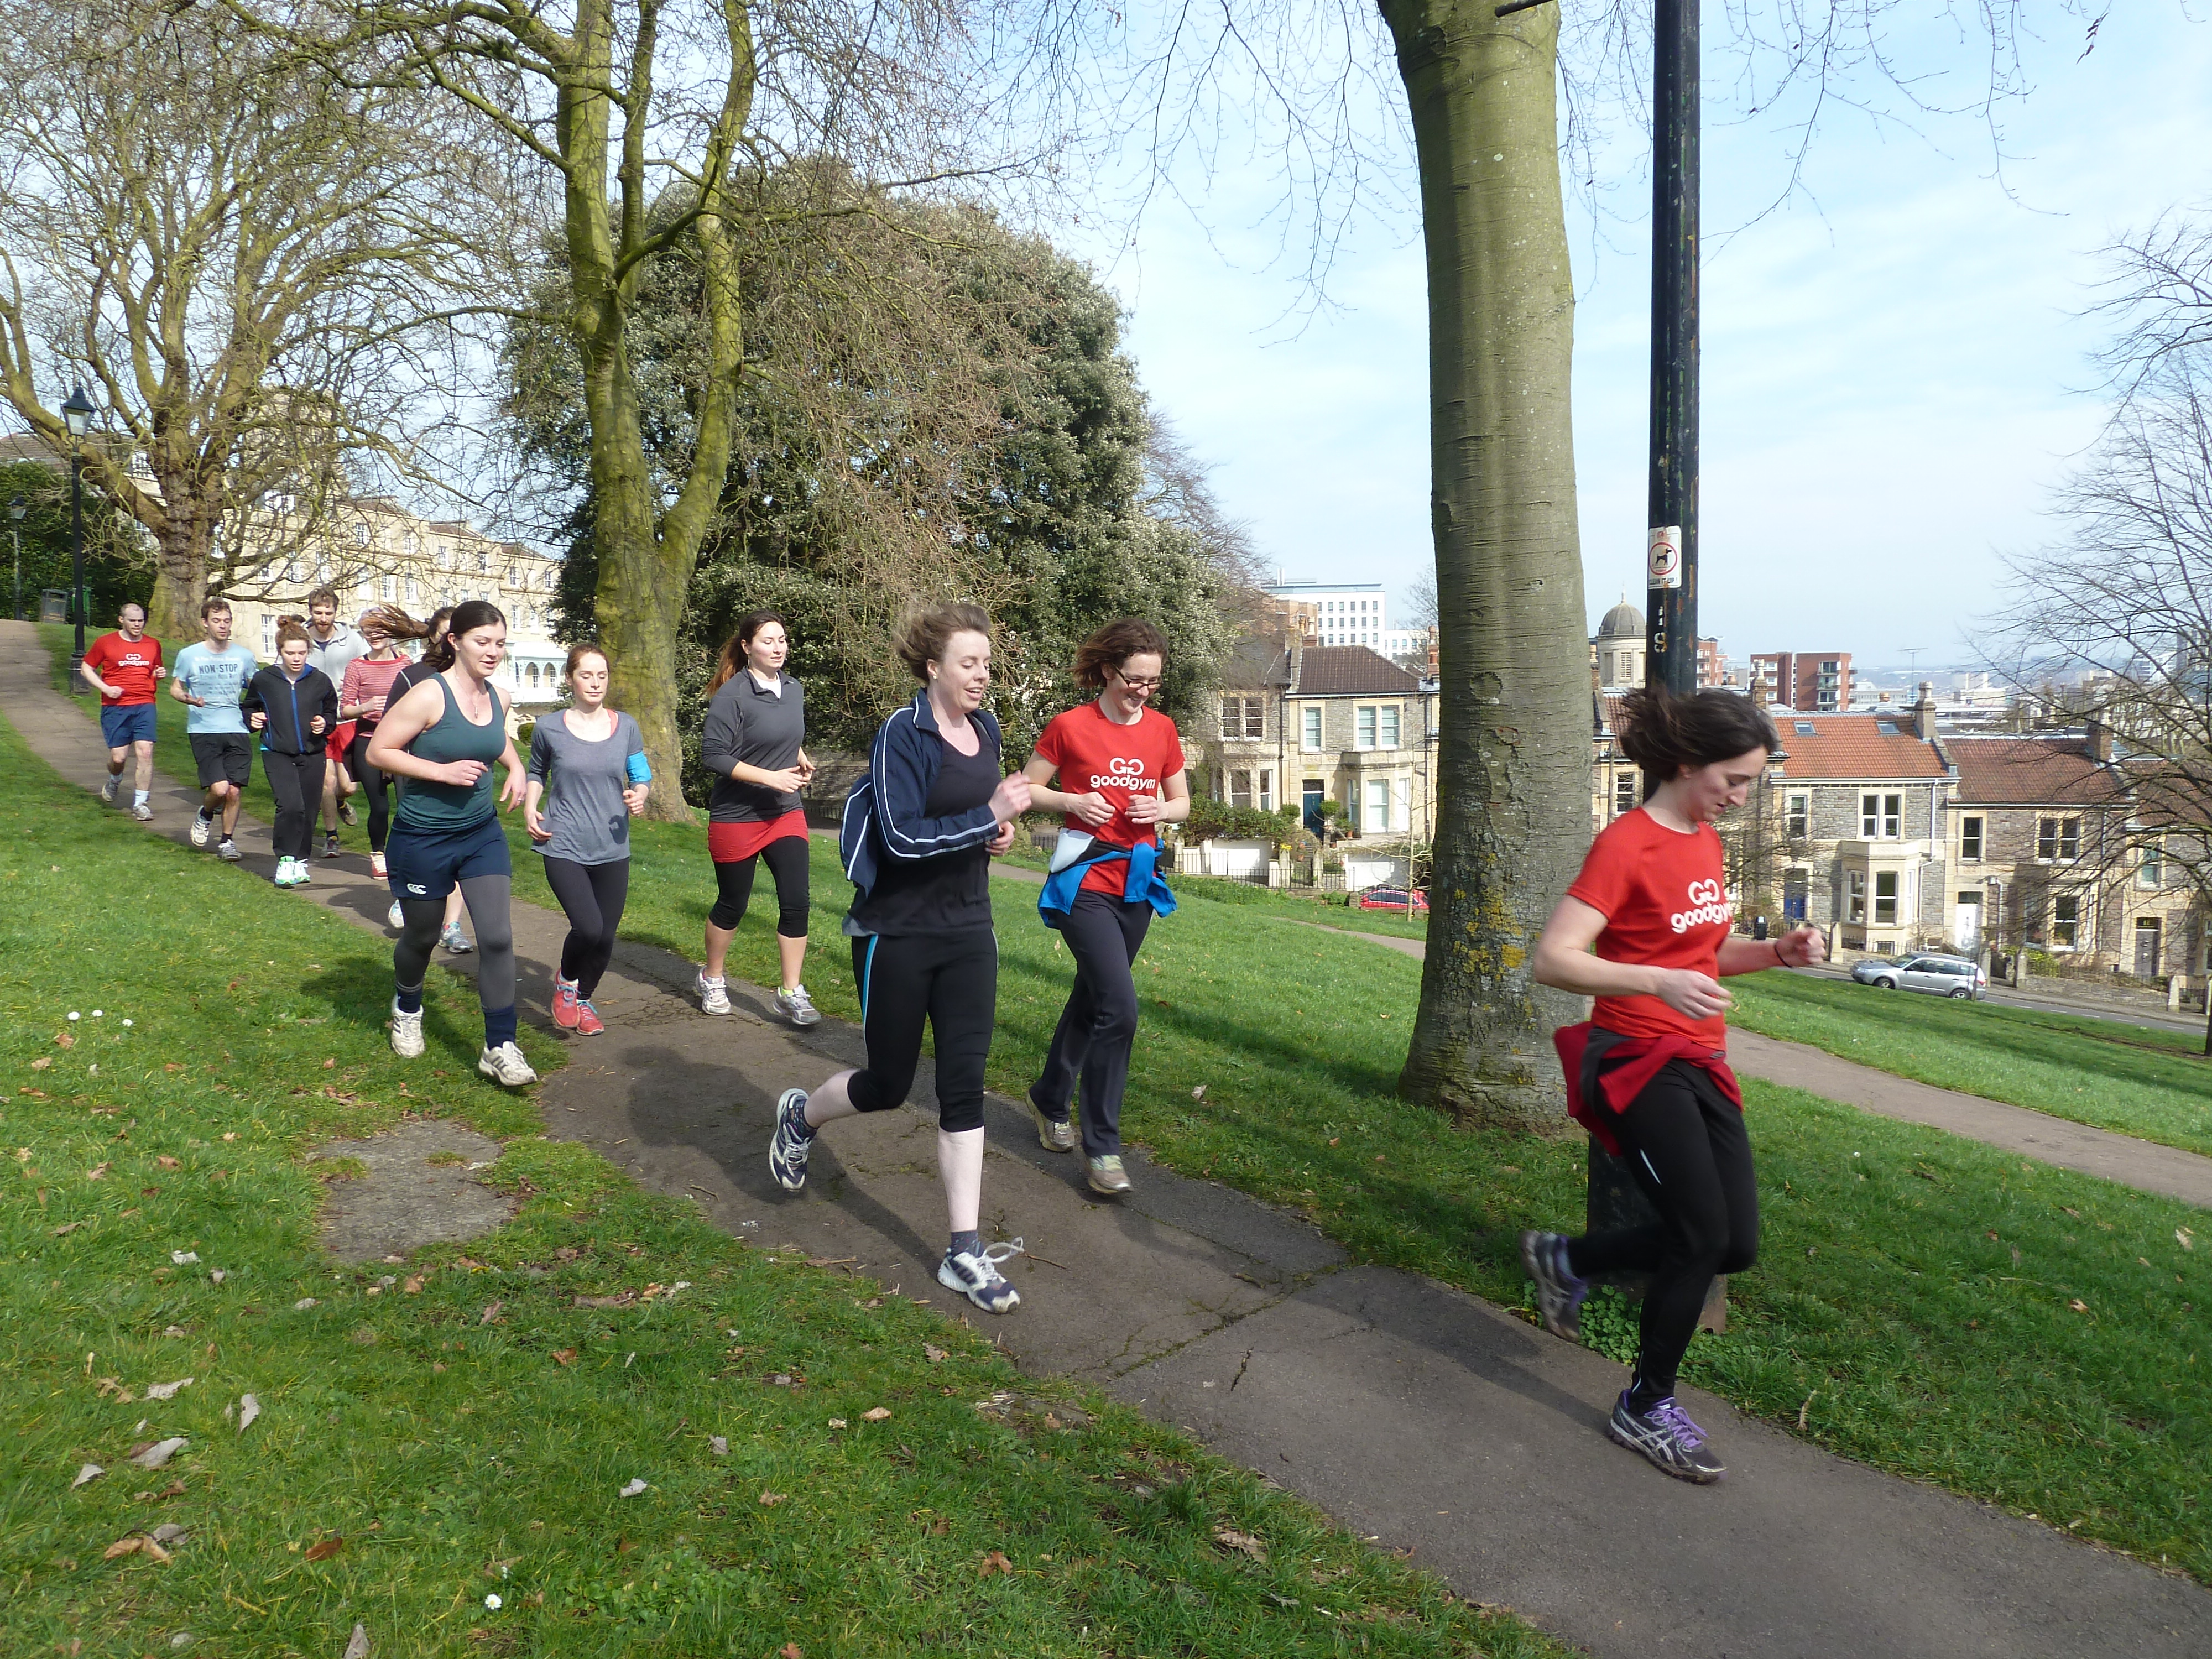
pixel 592 760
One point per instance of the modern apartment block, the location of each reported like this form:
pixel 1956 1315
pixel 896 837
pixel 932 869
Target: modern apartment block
pixel 1341 613
pixel 1810 681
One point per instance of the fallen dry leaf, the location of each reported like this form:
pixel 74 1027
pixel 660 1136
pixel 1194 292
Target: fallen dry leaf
pixel 934 1354
pixel 100 1173
pixel 2079 1305
pixel 717 1445
pixel 790 1651
pixel 994 1562
pixel 328 1547
pixel 67 1228
pixel 564 1356
pixel 89 1472
pixel 1243 1542
pixel 153 1456
pixel 42 1062
pixel 769 1500
pixel 2184 1237
pixel 248 1409
pixel 875 1414
pixel 633 1488
pixel 329 1064
pixel 358 1643
pixel 167 1162
pixel 167 1390
pixel 64 1040
pixel 413 1286
pixel 1198 1093
pixel 304 1304
pixel 492 1313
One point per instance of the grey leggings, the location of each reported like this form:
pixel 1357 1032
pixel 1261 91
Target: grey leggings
pixel 420 921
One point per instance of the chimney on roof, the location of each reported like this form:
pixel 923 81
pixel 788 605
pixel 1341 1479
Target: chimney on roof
pixel 1924 713
pixel 2100 739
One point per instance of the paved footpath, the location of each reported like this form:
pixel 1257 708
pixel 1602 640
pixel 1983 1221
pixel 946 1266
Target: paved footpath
pixel 1425 1420
pixel 2167 1171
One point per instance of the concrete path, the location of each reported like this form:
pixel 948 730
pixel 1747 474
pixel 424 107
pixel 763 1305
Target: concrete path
pixel 1428 1420
pixel 2145 1164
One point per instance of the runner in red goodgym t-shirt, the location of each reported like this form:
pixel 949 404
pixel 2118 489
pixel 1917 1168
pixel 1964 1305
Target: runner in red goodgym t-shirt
pixel 123 668
pixel 1119 764
pixel 1647 1076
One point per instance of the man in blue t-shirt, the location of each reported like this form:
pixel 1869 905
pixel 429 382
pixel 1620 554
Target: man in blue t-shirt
pixel 208 680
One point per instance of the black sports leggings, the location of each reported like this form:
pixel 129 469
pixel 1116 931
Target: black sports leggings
pixel 591 897
pixel 422 919
pixel 296 781
pixel 787 861
pixel 1098 1027
pixel 951 980
pixel 373 783
pixel 1686 1146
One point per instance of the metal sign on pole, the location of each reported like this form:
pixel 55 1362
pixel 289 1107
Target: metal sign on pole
pixel 1670 617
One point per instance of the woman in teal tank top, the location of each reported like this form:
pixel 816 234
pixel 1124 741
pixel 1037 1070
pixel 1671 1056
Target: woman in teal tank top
pixel 444 737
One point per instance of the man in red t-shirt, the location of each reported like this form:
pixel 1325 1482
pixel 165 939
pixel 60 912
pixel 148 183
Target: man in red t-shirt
pixel 123 668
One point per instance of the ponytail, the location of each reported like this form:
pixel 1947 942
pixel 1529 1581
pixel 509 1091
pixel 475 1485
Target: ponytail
pixel 468 616
pixel 1663 733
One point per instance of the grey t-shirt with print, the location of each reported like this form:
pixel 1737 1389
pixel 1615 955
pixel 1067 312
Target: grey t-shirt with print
pixel 585 781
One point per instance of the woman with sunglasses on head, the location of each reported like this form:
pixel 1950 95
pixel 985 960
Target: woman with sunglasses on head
pixel 1119 765
pixel 754 743
pixel 444 737
pixel 593 761
pixel 364 693
pixel 920 833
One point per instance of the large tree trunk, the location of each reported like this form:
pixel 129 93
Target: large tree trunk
pixel 181 557
pixel 1513 786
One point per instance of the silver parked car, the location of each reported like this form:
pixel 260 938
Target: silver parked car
pixel 1938 976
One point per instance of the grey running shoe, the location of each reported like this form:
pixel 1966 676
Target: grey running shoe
pixel 346 814
pixel 788 1147
pixel 107 790
pixel 1054 1134
pixel 455 940
pixel 714 994
pixel 1559 1293
pixel 142 812
pixel 331 848
pixel 978 1279
pixel 227 850
pixel 203 827
pixel 1666 1436
pixel 798 1006
pixel 1108 1178
pixel 505 1064
pixel 406 1032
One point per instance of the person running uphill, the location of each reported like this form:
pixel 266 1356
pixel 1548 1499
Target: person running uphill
pixel 592 761
pixel 444 737
pixel 122 667
pixel 415 673
pixel 1648 1075
pixel 1121 770
pixel 753 744
pixel 920 832
pixel 291 706
pixel 362 697
pixel 210 680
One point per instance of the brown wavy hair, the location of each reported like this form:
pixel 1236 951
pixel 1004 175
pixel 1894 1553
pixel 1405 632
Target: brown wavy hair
pixel 1109 646
pixel 922 635
pixel 1663 733
pixel 396 624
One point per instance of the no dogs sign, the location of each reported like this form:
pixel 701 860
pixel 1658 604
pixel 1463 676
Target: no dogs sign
pixel 1664 556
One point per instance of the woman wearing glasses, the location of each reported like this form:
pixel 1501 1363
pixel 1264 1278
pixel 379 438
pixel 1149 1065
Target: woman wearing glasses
pixel 1119 767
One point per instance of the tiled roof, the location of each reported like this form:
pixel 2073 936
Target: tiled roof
pixel 1350 670
pixel 2030 771
pixel 1608 705
pixel 1873 747
pixel 1256 661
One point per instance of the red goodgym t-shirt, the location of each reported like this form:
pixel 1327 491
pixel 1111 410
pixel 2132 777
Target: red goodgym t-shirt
pixel 131 666
pixel 1089 752
pixel 1664 905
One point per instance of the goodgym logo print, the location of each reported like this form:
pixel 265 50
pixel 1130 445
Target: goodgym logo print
pixel 1707 904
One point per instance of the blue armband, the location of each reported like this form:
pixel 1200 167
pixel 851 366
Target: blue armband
pixel 640 769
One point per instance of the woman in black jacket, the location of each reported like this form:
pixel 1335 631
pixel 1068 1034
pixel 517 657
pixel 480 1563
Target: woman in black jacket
pixel 294 707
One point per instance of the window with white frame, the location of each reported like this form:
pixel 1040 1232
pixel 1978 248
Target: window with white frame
pixel 1240 787
pixel 387 589
pixel 2059 839
pixel 2065 921
pixel 1855 895
pixel 1267 789
pixel 1310 726
pixel 2150 868
pixel 1624 793
pixel 268 635
pixel 360 535
pixel 1362 726
pixel 1970 841
pixel 1881 817
pixel 1243 718
pixel 1387 720
pixel 1885 898
pixel 1797 814
pixel 1378 803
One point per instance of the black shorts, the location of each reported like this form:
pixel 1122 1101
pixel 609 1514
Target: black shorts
pixel 429 864
pixel 223 757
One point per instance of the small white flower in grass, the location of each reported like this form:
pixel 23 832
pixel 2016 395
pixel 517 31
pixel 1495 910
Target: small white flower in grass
pixel 93 1070
pixel 96 1014
pixel 492 1602
pixel 73 1013
pixel 129 1022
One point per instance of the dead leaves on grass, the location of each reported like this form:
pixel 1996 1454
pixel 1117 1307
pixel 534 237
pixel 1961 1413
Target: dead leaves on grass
pixel 326 1548
pixel 1243 1542
pixel 135 1544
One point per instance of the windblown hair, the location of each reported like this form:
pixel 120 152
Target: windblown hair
pixel 1114 644
pixel 468 616
pixel 923 634
pixel 396 624
pixel 1664 733
pixel 735 648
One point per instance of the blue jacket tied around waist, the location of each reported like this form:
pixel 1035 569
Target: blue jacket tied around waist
pixel 1145 882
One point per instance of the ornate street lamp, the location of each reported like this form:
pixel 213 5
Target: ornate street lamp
pixel 77 412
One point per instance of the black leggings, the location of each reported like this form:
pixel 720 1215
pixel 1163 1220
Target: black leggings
pixel 421 921
pixel 591 896
pixel 373 783
pixel 1098 1027
pixel 1685 1145
pixel 296 781
pixel 951 980
pixel 787 862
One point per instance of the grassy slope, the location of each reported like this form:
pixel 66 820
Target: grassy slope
pixel 2146 1083
pixel 457 1457
pixel 1927 1347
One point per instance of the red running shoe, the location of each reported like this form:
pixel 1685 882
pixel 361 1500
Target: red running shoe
pixel 566 1007
pixel 588 1022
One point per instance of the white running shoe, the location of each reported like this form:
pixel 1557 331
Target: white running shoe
pixel 798 1006
pixel 505 1064
pixel 714 994
pixel 227 850
pixel 395 915
pixel 406 1032
pixel 283 875
pixel 978 1279
pixel 142 812
pixel 376 866
pixel 107 790
pixel 203 827
pixel 458 942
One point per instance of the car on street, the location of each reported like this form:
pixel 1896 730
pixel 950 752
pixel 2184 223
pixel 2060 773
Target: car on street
pixel 1413 900
pixel 1932 975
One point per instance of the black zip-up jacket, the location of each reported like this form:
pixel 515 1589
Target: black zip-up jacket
pixel 290 704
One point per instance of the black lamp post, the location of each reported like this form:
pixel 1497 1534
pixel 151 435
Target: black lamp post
pixel 16 511
pixel 78 412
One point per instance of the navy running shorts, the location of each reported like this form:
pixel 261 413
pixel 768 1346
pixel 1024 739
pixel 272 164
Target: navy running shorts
pixel 429 864
pixel 124 726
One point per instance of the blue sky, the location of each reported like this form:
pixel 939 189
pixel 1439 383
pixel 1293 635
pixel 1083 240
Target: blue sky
pixel 1896 370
